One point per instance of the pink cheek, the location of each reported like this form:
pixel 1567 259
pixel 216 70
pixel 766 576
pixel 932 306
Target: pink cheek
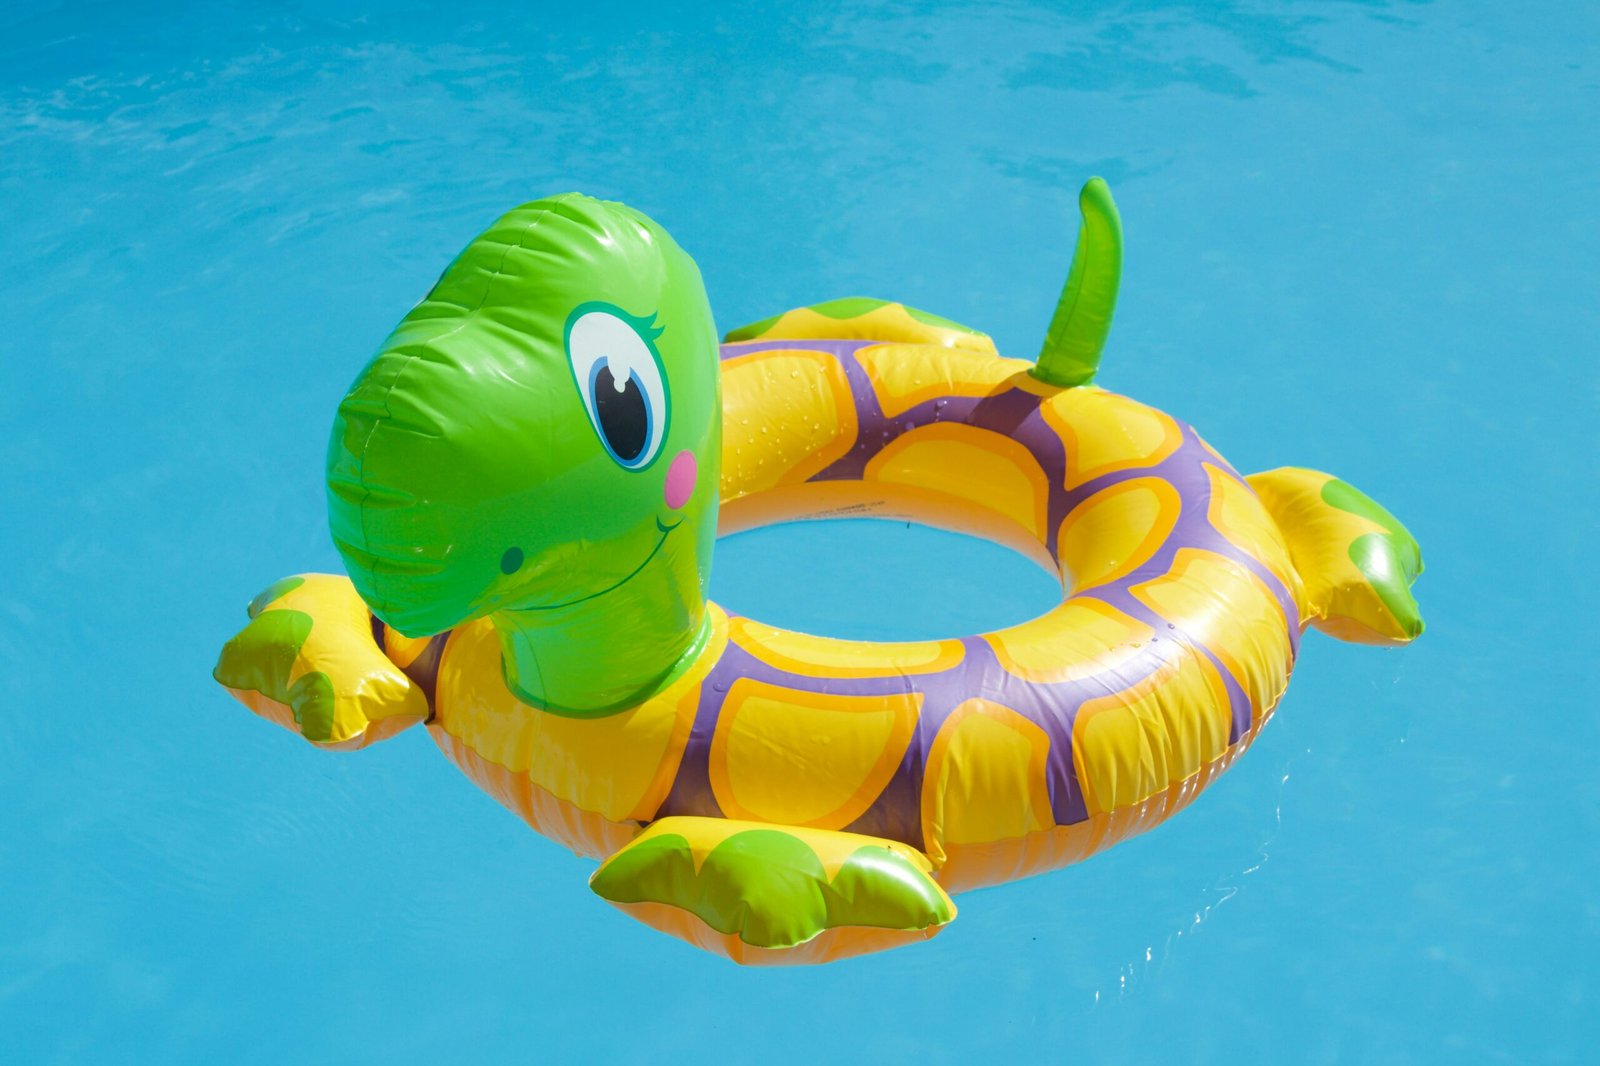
pixel 681 477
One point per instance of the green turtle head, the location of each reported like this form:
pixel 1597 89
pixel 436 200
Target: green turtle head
pixel 542 431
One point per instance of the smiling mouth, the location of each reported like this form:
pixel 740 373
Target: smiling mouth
pixel 665 529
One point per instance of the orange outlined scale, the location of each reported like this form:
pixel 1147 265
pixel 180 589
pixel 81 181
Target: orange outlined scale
pixel 826 657
pixel 851 746
pixel 1231 611
pixel 815 424
pixel 1104 433
pixel 1117 530
pixel 985 779
pixel 905 375
pixel 979 466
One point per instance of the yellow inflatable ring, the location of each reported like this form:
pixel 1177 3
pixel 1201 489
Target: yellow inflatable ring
pixel 525 486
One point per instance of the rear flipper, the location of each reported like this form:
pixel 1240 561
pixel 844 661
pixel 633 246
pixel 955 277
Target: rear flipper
pixel 1357 561
pixel 760 893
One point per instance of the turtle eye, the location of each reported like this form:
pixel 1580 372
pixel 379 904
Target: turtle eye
pixel 618 374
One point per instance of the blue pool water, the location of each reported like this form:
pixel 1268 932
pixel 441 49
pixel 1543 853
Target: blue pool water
pixel 1360 236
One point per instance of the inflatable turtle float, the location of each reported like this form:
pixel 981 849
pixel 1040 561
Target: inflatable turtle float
pixel 525 485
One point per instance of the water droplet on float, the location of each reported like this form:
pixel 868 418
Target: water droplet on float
pixel 794 373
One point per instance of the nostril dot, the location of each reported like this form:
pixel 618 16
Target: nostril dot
pixel 511 561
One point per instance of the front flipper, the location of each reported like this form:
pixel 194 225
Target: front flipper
pixel 774 894
pixel 308 661
pixel 1357 561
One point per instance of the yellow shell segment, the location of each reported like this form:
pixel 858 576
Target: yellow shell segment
pixel 1224 606
pixel 786 416
pixel 889 322
pixel 806 758
pixel 824 657
pixel 1238 514
pixel 640 747
pixel 985 778
pixel 1103 432
pixel 904 375
pixel 1076 639
pixel 1131 745
pixel 979 466
pixel 1117 530
pixel 975 865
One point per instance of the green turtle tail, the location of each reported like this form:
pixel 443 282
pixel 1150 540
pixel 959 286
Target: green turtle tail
pixel 1355 558
pixel 1077 334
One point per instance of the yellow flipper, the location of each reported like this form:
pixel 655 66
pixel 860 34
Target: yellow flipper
pixel 1357 561
pixel 760 893
pixel 308 662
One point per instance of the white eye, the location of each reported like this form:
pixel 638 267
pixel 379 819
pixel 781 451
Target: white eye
pixel 618 374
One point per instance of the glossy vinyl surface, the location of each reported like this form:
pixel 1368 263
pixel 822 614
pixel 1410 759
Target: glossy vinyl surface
pixel 1360 238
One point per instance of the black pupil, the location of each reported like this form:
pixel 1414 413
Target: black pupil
pixel 624 420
